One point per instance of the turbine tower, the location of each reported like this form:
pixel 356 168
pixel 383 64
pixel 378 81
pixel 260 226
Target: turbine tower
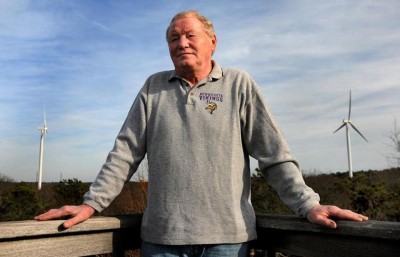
pixel 348 123
pixel 43 132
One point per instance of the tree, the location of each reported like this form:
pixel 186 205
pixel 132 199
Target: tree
pixel 374 198
pixel 264 198
pixel 20 203
pixel 393 156
pixel 6 183
pixel 5 178
pixel 69 191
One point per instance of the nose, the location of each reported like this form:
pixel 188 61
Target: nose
pixel 183 42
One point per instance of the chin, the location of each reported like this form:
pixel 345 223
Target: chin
pixel 184 65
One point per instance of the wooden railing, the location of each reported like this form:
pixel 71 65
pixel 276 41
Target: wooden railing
pixel 287 234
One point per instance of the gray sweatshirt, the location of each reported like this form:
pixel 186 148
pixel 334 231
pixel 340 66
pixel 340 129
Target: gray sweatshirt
pixel 198 142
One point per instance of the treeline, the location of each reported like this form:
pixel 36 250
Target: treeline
pixel 373 193
pixel 22 201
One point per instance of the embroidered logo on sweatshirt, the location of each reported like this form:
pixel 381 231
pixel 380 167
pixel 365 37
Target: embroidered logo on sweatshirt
pixel 211 107
pixel 211 100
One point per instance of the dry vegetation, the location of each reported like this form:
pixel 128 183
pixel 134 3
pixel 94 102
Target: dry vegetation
pixel 373 193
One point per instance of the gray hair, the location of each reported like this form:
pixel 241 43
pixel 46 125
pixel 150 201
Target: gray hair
pixel 207 24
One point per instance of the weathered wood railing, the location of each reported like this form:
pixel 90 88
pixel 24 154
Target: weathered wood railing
pixel 286 234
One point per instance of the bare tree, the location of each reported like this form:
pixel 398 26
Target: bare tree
pixel 5 178
pixel 393 155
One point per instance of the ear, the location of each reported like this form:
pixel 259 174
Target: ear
pixel 214 43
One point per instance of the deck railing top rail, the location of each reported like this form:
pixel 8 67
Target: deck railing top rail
pixel 370 229
pixel 287 234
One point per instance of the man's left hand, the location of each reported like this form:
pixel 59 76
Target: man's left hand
pixel 322 214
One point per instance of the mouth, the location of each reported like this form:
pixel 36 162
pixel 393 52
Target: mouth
pixel 183 54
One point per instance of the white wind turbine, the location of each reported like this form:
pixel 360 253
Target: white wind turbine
pixel 348 123
pixel 43 132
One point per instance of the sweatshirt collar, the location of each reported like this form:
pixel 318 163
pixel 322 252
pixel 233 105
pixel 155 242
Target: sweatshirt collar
pixel 215 74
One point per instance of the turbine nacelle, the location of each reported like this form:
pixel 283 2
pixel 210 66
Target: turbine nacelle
pixel 42 129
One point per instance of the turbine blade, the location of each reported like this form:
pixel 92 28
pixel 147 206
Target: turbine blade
pixel 354 127
pixel 349 106
pixel 44 115
pixel 44 119
pixel 344 124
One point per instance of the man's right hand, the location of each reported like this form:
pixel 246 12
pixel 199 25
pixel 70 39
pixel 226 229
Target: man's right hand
pixel 78 214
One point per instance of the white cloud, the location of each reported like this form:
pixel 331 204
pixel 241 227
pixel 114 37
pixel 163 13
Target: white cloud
pixel 86 62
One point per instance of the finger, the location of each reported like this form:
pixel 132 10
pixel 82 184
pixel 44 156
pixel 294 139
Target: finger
pixel 55 213
pixel 81 214
pixel 325 222
pixel 73 221
pixel 350 215
pixel 51 214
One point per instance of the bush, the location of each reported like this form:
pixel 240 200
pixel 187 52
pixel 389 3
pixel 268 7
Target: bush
pixel 131 200
pixel 5 178
pixel 265 199
pixel 20 203
pixel 69 192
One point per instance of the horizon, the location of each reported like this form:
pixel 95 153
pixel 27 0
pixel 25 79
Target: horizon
pixel 306 174
pixel 86 61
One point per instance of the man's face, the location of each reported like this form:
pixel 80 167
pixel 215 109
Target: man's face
pixel 190 47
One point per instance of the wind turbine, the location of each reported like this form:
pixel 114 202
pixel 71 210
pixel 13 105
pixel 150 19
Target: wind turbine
pixel 348 123
pixel 43 132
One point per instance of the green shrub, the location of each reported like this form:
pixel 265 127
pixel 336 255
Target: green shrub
pixel 69 192
pixel 265 199
pixel 20 203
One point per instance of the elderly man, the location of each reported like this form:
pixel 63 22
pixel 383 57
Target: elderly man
pixel 198 125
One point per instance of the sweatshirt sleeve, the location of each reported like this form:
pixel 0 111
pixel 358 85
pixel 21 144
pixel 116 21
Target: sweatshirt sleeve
pixel 124 158
pixel 265 142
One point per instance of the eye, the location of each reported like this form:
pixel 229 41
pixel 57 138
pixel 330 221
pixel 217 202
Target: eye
pixel 173 39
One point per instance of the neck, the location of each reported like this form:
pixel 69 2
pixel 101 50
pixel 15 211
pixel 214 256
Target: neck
pixel 193 76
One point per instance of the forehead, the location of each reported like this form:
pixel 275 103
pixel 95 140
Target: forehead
pixel 186 24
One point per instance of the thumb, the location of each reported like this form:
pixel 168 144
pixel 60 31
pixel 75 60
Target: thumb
pixel 330 223
pixel 84 212
pixel 75 220
pixel 71 222
pixel 325 222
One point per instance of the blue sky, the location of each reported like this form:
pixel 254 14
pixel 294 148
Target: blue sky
pixel 86 60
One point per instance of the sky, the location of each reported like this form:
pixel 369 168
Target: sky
pixel 83 62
